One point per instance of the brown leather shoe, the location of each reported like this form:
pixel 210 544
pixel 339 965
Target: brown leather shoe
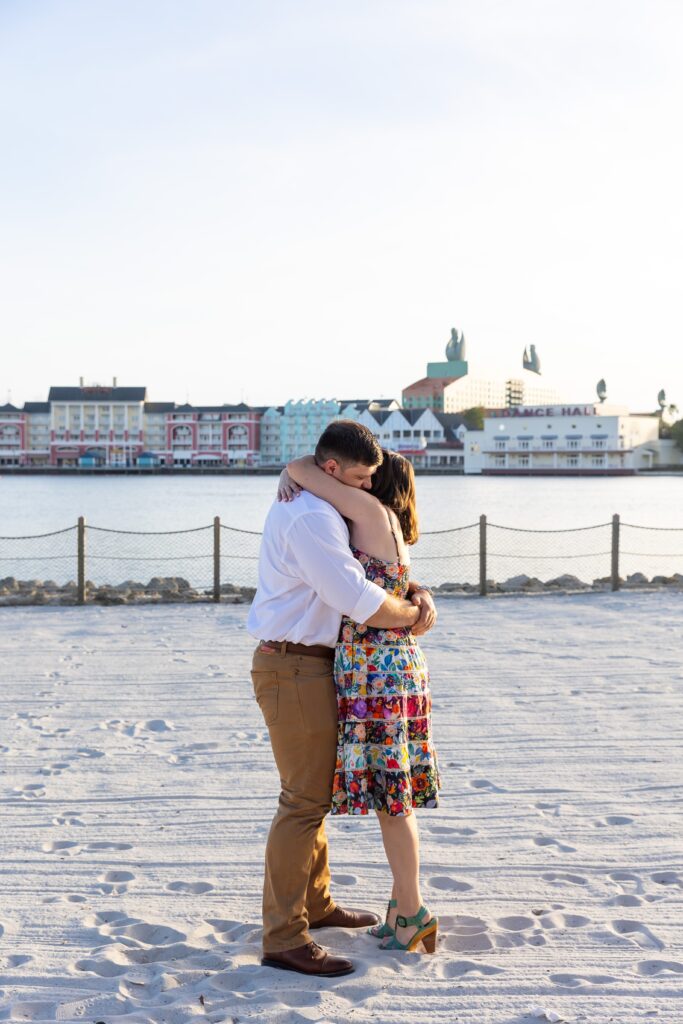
pixel 340 918
pixel 309 959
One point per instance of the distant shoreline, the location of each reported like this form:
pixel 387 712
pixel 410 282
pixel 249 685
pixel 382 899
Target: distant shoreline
pixel 276 470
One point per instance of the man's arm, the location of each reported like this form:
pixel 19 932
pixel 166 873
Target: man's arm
pixel 394 613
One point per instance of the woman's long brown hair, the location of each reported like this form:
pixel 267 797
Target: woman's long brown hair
pixel 393 482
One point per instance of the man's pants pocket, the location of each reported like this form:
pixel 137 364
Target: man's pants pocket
pixel 266 691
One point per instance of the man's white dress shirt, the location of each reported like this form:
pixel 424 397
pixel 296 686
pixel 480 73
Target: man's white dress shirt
pixel 308 577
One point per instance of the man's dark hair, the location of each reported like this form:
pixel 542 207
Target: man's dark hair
pixel 349 443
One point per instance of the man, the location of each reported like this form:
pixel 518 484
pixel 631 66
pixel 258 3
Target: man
pixel 308 579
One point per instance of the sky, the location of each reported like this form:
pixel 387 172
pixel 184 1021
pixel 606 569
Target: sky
pixel 254 201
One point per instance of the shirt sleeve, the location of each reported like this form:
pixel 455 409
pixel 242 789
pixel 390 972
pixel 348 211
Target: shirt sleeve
pixel 320 550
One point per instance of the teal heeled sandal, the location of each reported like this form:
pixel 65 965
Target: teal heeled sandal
pixel 380 931
pixel 425 934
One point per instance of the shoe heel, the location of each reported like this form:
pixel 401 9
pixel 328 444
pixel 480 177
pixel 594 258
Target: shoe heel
pixel 429 940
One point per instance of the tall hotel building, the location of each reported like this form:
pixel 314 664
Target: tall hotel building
pixel 449 388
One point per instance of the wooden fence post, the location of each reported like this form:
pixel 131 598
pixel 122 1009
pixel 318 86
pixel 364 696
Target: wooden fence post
pixel 615 553
pixel 216 558
pixel 482 556
pixel 81 560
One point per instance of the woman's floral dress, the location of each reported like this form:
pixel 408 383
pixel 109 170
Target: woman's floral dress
pixel 385 757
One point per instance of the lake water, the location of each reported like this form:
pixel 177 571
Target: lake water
pixel 35 504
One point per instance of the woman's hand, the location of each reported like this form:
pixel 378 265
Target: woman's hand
pixel 427 609
pixel 287 489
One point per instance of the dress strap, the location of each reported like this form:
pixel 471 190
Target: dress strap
pixel 393 533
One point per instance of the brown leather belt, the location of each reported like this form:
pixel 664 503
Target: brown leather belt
pixel 285 647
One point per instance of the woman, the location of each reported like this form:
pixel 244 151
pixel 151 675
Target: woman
pixel 385 758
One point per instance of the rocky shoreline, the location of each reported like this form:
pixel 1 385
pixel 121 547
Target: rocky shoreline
pixel 175 589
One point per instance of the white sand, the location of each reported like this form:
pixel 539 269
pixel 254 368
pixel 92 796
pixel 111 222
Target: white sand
pixel 137 787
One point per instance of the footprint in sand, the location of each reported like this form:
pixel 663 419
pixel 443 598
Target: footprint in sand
pixel 559 920
pixel 193 888
pixel 32 791
pixel 632 891
pixel 515 923
pixel 669 878
pixel 138 729
pixel 486 786
pixel 564 878
pixel 581 980
pixel 465 934
pixel 90 752
pixel 460 968
pixel 637 932
pixel 546 842
pixel 613 819
pixel 69 898
pixel 56 768
pixel 72 849
pixel 15 960
pixel 652 968
pixel 67 819
pixel 518 930
pixel 115 882
pixel 547 810
pixel 448 830
pixel 344 879
pixel 104 845
pixel 449 884
pixel 62 846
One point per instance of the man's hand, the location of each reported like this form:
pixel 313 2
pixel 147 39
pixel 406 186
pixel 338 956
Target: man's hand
pixel 428 613
pixel 287 489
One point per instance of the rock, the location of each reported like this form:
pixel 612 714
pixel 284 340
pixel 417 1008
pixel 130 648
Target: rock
pixel 521 582
pixel 449 588
pixel 567 582
pixel 181 584
pixel 9 583
pixel 160 584
pixel 663 581
pixel 636 579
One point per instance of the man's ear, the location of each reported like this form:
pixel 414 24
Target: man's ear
pixel 330 466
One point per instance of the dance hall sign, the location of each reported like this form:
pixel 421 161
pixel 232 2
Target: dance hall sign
pixel 546 411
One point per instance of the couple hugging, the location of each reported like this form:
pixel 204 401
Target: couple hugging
pixel 344 690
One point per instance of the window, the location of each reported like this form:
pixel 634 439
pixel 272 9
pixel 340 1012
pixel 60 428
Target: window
pixel 598 460
pixel 573 460
pixel 549 445
pixel 573 442
pixel 428 433
pixel 500 445
pixel 524 445
pixel 406 433
pixel 396 433
pixel 600 444
pixel 524 460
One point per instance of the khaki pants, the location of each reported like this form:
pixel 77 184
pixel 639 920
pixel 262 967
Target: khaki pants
pixel 297 698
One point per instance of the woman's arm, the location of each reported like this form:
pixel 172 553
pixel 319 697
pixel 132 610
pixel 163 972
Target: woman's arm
pixel 351 502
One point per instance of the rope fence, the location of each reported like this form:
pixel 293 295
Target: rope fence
pixel 93 562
